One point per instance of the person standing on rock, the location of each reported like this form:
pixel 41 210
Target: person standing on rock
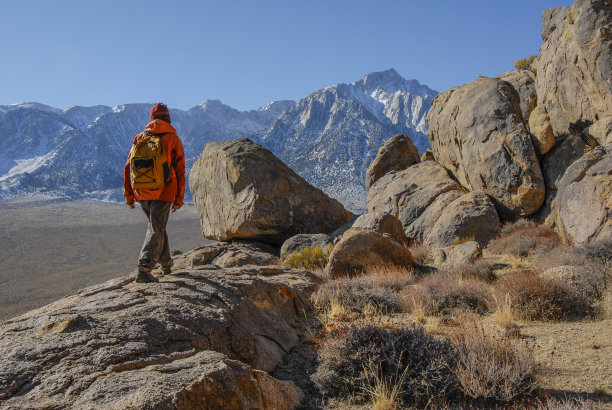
pixel 154 175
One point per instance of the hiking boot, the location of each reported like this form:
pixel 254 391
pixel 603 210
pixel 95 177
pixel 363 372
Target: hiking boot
pixel 166 270
pixel 144 275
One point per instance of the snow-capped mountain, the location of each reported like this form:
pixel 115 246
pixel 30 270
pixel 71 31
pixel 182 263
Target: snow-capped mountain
pixel 329 137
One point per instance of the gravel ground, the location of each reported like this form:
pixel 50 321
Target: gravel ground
pixel 50 249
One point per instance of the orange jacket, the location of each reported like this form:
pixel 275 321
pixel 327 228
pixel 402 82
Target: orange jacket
pixel 174 190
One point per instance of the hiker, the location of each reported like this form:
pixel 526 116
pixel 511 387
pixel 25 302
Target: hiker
pixel 154 175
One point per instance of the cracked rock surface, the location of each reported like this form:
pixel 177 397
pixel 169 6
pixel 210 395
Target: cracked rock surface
pixel 202 337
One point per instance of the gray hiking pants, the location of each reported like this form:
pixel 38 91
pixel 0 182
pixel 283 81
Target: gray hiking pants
pixel 156 247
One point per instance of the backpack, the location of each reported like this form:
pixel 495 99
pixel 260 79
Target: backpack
pixel 148 166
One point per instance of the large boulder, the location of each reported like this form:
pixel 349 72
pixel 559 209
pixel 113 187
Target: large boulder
pixel 574 67
pixel 601 130
pixel 201 338
pixel 477 132
pixel 395 154
pixel 360 248
pixel 523 82
pixel 417 196
pixel 383 223
pixel 242 190
pixel 471 217
pixel 582 209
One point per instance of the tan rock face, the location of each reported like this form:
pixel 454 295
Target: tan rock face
pixel 476 132
pixel 541 130
pixel 523 82
pixel 396 154
pixel 382 223
pixel 359 249
pixel 574 78
pixel 582 209
pixel 472 217
pixel 602 130
pixel 455 254
pixel 201 338
pixel 243 191
pixel 417 196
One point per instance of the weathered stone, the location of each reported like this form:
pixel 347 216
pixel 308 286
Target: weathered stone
pixel 301 241
pixel 554 164
pixel 602 130
pixel 541 131
pixel 574 68
pixel 471 216
pixel 243 191
pixel 477 133
pixel 359 249
pixel 384 224
pixel 174 343
pixel 582 210
pixel 588 280
pixel 523 82
pixel 395 154
pixel 456 254
pixel 416 196
pixel 427 156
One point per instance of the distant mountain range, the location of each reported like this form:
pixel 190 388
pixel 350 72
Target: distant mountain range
pixel 329 137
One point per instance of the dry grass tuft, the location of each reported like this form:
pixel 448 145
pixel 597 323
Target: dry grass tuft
pixel 526 63
pixel 524 238
pixel 443 292
pixel 481 269
pixel 503 310
pixel 533 297
pixel 489 366
pixel 376 291
pixel 421 254
pixel 411 362
pixel 308 258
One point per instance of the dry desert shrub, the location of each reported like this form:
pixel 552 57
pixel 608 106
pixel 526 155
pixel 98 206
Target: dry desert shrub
pixel 481 269
pixel 597 254
pixel 378 288
pixel 490 366
pixel 526 63
pixel 524 238
pixel 533 297
pixel 442 292
pixel 421 254
pixel 420 363
pixel 309 258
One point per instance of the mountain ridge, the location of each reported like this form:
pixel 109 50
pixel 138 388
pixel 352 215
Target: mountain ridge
pixel 77 151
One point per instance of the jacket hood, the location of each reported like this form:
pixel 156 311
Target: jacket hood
pixel 159 127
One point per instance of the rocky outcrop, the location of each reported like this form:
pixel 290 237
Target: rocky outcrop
pixel 301 241
pixel 541 131
pixel 384 224
pixel 243 191
pixel 417 196
pixel 554 164
pixel 395 154
pixel 582 209
pixel 466 252
pixel 574 79
pixel 523 82
pixel 471 217
pixel 201 338
pixel 477 133
pixel 602 130
pixel 427 156
pixel 359 249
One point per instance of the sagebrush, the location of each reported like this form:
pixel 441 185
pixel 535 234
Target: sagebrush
pixel 309 258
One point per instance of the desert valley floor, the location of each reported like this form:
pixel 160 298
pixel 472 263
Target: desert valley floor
pixel 50 249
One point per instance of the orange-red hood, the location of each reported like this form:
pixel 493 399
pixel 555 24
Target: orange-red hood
pixel 159 127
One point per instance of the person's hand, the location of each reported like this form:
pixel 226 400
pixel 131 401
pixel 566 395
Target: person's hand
pixel 175 206
pixel 131 205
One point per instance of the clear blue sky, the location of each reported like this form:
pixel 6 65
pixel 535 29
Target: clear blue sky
pixel 248 53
